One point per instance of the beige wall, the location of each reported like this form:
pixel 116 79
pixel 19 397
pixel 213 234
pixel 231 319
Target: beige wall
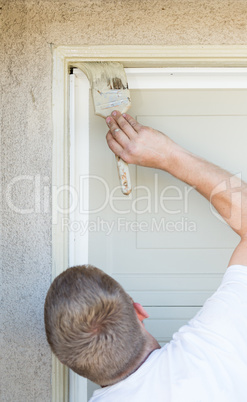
pixel 30 28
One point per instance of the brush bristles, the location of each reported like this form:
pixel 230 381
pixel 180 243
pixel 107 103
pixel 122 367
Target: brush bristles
pixel 109 86
pixel 111 73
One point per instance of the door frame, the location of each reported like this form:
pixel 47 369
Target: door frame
pixel 64 59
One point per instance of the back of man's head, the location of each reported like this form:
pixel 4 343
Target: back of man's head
pixel 91 324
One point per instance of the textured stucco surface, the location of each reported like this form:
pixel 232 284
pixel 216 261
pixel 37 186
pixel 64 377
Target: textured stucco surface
pixel 30 28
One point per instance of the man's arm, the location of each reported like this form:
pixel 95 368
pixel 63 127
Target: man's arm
pixel 144 146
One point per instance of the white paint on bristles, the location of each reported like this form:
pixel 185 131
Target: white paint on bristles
pixel 109 86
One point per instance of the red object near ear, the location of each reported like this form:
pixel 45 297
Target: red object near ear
pixel 140 311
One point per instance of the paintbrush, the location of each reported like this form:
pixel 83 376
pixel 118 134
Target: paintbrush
pixel 110 92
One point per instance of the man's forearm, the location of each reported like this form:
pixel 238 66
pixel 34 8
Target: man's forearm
pixel 225 191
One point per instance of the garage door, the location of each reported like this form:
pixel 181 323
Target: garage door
pixel 164 243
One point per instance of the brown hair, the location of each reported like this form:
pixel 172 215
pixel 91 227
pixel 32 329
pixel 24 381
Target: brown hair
pixel 91 324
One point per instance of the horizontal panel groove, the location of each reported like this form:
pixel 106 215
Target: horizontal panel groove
pixel 162 319
pixel 167 275
pixel 169 283
pixel 195 115
pixel 171 298
pixel 172 306
pixel 185 248
pixel 173 291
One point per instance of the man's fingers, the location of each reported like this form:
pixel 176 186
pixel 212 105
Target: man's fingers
pixel 124 124
pixel 118 117
pixel 126 127
pixel 113 144
pixel 119 135
pixel 137 126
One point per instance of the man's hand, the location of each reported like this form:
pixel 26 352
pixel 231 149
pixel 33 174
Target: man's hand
pixel 137 144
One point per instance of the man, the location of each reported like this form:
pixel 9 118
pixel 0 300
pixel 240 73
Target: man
pixel 95 328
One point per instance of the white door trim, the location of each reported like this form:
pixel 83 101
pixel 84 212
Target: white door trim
pixel 65 57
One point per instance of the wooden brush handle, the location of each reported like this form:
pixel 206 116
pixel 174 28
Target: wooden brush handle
pixel 124 175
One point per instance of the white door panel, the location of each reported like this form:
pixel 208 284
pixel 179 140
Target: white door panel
pixel 168 251
pixel 190 101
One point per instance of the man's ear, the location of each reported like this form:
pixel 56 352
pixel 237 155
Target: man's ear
pixel 140 311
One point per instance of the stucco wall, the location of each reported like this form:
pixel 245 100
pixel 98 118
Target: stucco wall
pixel 30 28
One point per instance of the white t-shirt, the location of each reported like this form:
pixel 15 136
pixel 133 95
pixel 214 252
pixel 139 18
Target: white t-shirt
pixel 206 361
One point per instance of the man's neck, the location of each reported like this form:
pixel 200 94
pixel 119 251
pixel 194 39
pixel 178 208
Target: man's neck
pixel 150 347
pixel 143 361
